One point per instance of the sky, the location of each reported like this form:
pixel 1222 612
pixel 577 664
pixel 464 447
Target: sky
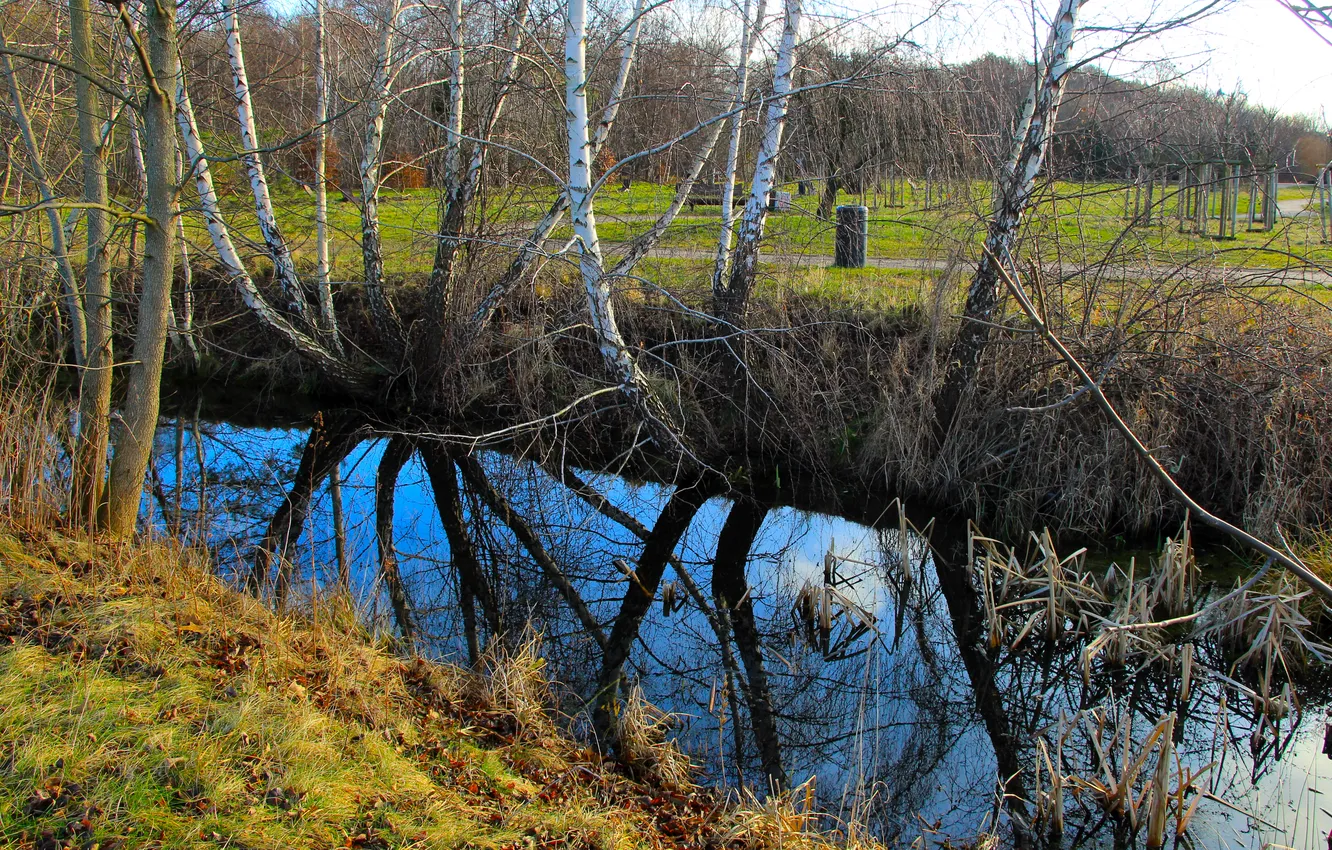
pixel 1257 47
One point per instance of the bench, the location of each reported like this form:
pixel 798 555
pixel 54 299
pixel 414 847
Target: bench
pixel 710 195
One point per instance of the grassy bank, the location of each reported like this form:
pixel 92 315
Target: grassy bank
pixel 148 705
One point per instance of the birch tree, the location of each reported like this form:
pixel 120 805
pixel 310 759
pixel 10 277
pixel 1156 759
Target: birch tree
pixel 729 303
pixel 327 317
pixel 372 248
pixel 533 246
pixel 749 33
pixel 284 268
pixel 596 284
pixel 59 251
pixel 460 189
pixel 1013 194
pixel 330 363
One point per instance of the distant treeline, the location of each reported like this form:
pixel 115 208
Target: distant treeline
pixel 896 113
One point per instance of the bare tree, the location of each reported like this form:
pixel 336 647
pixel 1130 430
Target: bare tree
pixel 59 252
pixel 729 303
pixel 134 438
pixel 89 476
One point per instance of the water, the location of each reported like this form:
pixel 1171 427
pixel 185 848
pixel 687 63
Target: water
pixel 907 725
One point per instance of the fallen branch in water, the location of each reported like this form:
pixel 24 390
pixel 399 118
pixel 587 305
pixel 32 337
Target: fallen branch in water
pixel 1289 561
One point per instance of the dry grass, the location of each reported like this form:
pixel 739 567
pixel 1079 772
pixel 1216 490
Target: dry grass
pixel 149 705
pixel 1145 616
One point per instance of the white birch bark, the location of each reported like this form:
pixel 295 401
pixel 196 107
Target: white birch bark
pixel 534 247
pixel 1013 196
pixel 453 147
pixel 59 250
pixel 372 251
pixel 507 76
pixel 182 329
pixel 327 317
pixel 748 35
pixel 218 233
pixel 459 196
pixel 596 283
pixel 284 269
pixel 744 265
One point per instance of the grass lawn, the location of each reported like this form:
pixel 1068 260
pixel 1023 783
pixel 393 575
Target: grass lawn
pixel 1080 223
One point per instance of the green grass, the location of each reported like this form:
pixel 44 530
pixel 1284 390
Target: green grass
pixel 1084 222
pixel 147 705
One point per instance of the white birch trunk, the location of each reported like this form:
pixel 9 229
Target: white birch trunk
pixel 1013 196
pixel 596 284
pixel 59 250
pixel 506 77
pixel 616 95
pixel 182 329
pixel 218 233
pixel 284 269
pixel 453 148
pixel 327 317
pixel 372 251
pixel 744 265
pixel 534 247
pixel 440 286
pixel 748 35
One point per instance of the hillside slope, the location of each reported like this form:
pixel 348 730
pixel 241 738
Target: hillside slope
pixel 145 704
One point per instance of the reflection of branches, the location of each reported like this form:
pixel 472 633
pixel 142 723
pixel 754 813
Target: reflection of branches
pixel 472 583
pixel 328 444
pixel 396 454
pixel 658 546
pixel 732 593
pixel 476 477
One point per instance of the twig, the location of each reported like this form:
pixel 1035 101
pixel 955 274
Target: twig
pixel 1291 563
pixel 1067 399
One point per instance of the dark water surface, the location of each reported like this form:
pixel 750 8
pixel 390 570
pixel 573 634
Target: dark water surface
pixel 901 725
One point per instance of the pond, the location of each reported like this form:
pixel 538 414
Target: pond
pixel 889 687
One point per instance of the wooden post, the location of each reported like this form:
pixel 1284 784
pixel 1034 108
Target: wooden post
pixel 1252 214
pixel 1147 205
pixel 1270 201
pixel 1323 204
pixel 1233 212
pixel 1201 198
pixel 852 237
pixel 1182 197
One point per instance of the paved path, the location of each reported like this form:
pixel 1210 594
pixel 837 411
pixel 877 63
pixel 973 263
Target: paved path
pixel 1234 275
pixel 1295 207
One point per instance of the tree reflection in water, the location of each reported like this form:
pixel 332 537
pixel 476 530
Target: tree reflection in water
pixel 791 645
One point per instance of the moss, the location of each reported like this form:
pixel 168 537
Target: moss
pixel 148 705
